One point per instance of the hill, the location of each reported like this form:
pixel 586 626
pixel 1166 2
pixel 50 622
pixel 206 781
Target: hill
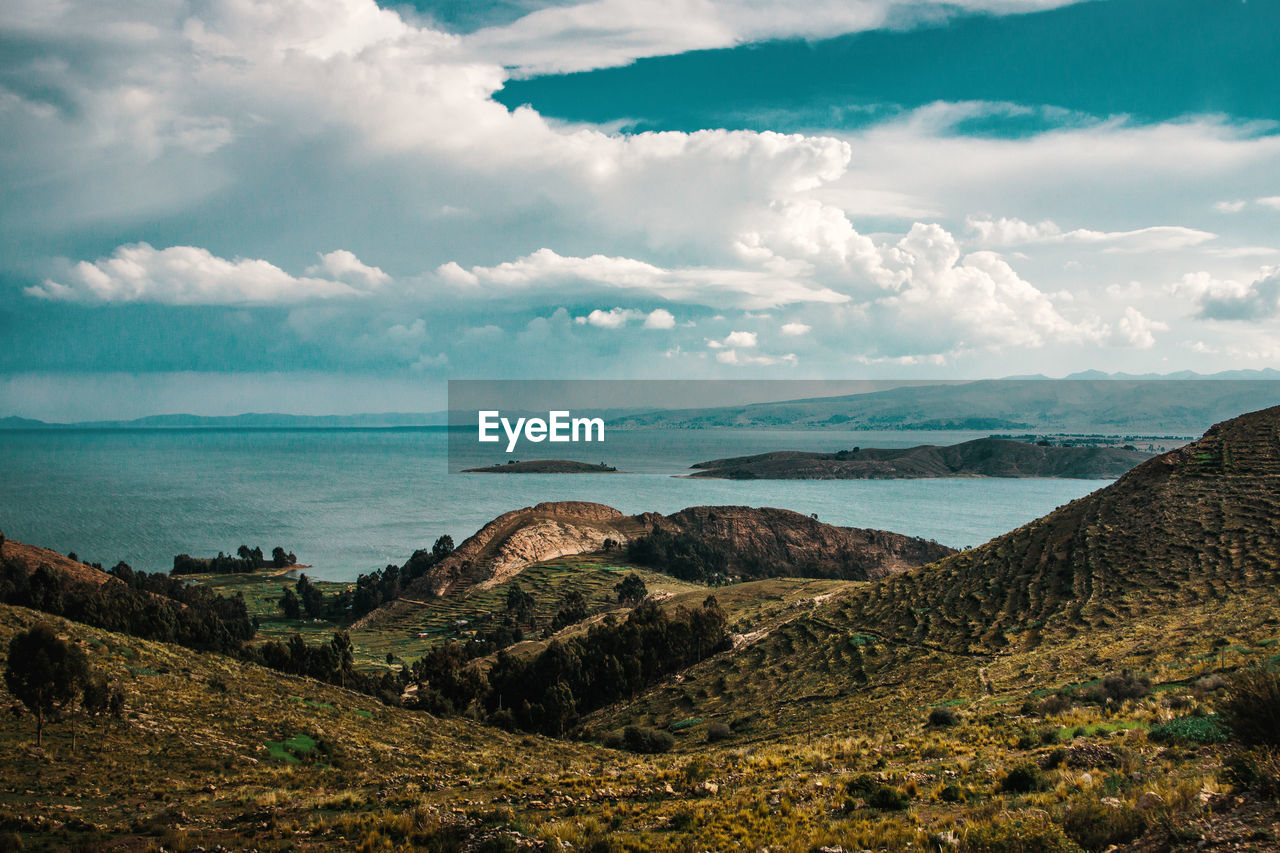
pixel 984 457
pixel 1178 554
pixel 31 557
pixel 1115 406
pixel 746 541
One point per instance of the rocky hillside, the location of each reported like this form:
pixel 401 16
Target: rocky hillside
pixel 521 537
pixel 984 457
pixel 756 542
pixel 769 542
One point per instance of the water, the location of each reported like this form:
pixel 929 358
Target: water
pixel 348 501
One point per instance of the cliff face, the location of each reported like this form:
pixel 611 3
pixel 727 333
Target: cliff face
pixel 768 542
pixel 513 540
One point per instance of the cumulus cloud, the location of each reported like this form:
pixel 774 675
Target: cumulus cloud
pixel 660 318
pixel 1226 299
pixel 343 265
pixel 614 318
pixel 1016 232
pixel 1234 206
pixel 796 329
pixel 187 275
pixel 1272 202
pixel 1135 330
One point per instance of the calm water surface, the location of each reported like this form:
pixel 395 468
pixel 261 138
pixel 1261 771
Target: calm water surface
pixel 347 501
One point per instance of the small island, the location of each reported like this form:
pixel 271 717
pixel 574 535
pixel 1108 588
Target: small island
pixel 545 466
pixel 983 457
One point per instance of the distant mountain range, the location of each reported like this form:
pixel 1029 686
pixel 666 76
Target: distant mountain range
pixel 246 421
pixel 1075 406
pixel 1182 403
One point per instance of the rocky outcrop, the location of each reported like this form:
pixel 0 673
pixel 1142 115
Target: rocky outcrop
pixel 513 540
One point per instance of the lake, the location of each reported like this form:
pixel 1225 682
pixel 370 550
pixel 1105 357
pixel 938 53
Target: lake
pixel 348 501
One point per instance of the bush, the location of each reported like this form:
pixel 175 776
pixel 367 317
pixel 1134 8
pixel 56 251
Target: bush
pixel 943 718
pixel 1022 833
pixel 647 741
pixel 1125 685
pixel 717 732
pixel 1256 769
pixel 876 794
pixel 1252 708
pixel 1192 729
pixel 1096 827
pixel 1022 778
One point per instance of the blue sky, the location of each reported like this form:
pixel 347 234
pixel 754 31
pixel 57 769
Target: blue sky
pixel 335 206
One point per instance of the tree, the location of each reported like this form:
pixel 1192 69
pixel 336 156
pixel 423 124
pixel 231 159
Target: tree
pixel 290 605
pixel 243 552
pixel 312 597
pixel 443 547
pixel 44 672
pixel 279 559
pixel 343 656
pixel 519 603
pixel 631 589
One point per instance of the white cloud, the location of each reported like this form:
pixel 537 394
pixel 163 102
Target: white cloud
pixel 733 357
pixel 614 318
pixel 186 275
pixel 1272 202
pixel 544 271
pixel 1135 330
pixel 1015 232
pixel 344 265
pixel 740 339
pixel 1234 206
pixel 1228 299
pixel 660 318
pixel 796 329
pixel 604 33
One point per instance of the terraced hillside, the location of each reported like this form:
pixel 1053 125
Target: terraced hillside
pixel 1196 525
pixel 1176 559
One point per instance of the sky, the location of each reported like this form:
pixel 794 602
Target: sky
pixel 333 206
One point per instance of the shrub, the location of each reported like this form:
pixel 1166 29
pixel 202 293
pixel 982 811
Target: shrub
pixel 647 741
pixel 1256 769
pixel 1125 685
pixel 1252 708
pixel 1022 778
pixel 1023 833
pixel 1191 729
pixel 876 794
pixel 1096 827
pixel 717 732
pixel 943 718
